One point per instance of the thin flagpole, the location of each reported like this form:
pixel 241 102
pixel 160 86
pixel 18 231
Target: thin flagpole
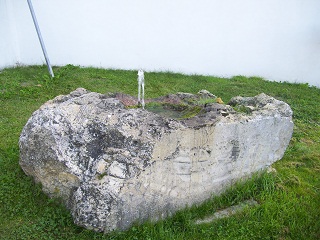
pixel 40 38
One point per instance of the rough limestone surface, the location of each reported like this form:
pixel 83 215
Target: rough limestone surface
pixel 114 166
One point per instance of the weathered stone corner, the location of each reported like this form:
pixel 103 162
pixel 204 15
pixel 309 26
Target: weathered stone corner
pixel 114 165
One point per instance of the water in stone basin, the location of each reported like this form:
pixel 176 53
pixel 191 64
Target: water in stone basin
pixel 164 111
pixel 174 111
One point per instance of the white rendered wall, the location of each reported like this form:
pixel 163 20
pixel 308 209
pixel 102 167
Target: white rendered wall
pixel 277 40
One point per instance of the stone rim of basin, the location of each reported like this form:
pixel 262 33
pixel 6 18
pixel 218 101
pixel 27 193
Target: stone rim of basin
pixel 204 108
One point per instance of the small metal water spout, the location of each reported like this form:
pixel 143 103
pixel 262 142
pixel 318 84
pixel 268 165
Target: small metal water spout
pixel 141 86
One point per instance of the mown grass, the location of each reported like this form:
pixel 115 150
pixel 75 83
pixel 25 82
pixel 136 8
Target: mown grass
pixel 289 199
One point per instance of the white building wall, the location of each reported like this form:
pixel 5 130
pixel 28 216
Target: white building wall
pixel 9 46
pixel 278 40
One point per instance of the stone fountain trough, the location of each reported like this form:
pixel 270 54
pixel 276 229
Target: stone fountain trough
pixel 113 164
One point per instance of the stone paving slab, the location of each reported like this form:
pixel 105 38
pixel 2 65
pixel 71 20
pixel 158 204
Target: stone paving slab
pixel 227 212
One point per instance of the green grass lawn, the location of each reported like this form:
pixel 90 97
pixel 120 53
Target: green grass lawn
pixel 289 200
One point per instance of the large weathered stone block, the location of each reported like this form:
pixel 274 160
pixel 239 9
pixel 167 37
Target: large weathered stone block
pixel 113 165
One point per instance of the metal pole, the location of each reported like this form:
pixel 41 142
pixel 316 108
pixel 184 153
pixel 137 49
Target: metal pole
pixel 40 38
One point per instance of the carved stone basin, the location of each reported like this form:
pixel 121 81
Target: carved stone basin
pixel 114 164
